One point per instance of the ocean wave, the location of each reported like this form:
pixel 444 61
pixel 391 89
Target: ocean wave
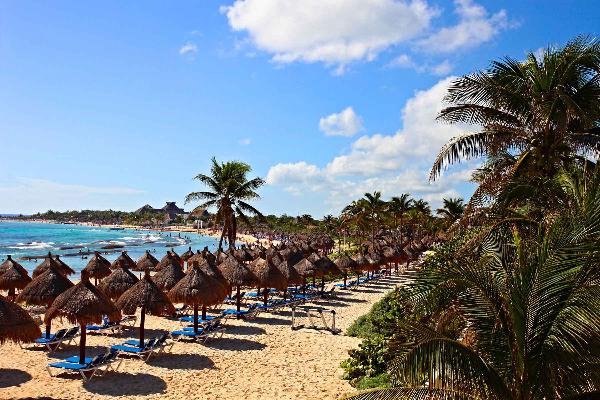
pixel 32 245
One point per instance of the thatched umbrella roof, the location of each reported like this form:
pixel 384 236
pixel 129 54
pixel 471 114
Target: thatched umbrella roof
pixel 289 272
pixel 208 256
pixel 13 275
pixel 214 272
pixel 195 288
pixel 147 262
pixel 361 261
pixel 345 263
pixel 305 268
pixel 49 260
pixel 168 276
pixel 16 324
pixel 44 288
pixel 117 283
pixel 169 258
pixel 236 273
pixel 83 304
pixel 98 267
pixel 243 254
pixel 147 296
pixel 187 255
pixel 268 275
pixel 68 270
pixel 124 260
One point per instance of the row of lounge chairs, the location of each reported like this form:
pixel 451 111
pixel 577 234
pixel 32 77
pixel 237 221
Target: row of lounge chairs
pixel 91 366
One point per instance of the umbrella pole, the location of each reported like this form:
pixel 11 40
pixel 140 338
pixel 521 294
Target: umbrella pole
pixel 303 286
pixel 285 293
pixel 82 344
pixel 203 312
pixel 48 328
pixel 345 278
pixel 195 317
pixel 265 296
pixel 142 320
pixel 323 284
pixel 237 300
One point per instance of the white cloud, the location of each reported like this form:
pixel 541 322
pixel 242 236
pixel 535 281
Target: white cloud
pixel 344 123
pixel 188 48
pixel 390 163
pixel 333 32
pixel 475 26
pixel 26 195
pixel 245 141
pixel 406 61
pixel 441 69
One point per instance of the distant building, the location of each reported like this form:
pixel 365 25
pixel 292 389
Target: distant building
pixel 170 211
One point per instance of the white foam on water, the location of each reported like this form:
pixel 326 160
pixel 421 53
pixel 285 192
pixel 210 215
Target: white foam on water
pixel 32 245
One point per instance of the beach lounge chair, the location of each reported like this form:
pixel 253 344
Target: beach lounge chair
pixel 62 336
pixel 142 352
pixel 91 367
pixel 159 346
pixel 214 329
pixel 126 321
pixel 190 319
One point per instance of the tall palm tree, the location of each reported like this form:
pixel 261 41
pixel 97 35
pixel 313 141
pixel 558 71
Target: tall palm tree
pixel 452 210
pixel 544 113
pixel 515 317
pixel 229 189
pixel 398 206
pixel 374 208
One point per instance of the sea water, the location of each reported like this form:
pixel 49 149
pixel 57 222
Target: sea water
pixel 72 242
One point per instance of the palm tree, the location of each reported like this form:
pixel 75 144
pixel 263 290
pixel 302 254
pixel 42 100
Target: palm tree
pixel 374 208
pixel 515 316
pixel 452 210
pixel 540 114
pixel 229 191
pixel 398 206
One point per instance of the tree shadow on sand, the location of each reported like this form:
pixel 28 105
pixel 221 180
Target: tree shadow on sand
pixel 245 330
pixel 261 319
pixel 125 384
pixel 13 377
pixel 182 361
pixel 235 344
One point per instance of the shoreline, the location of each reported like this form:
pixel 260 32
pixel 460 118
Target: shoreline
pixel 241 237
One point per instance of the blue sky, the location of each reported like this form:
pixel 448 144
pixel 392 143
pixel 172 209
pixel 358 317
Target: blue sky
pixel 118 104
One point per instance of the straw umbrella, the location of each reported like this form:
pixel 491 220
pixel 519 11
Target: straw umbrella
pixel 83 304
pixel 169 258
pixel 16 324
pixel 195 288
pixel 68 270
pixel 187 255
pixel 119 280
pixel 44 289
pixel 237 274
pixel 49 260
pixel 346 264
pixel 326 267
pixel 268 276
pixel 305 268
pixel 214 272
pixel 13 276
pixel 98 267
pixel 362 263
pixel 147 262
pixel 289 272
pixel 149 298
pixel 124 260
pixel 168 276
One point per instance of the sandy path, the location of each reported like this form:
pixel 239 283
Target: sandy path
pixel 258 359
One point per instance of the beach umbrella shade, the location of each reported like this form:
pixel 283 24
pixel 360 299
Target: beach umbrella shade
pixel 187 255
pixel 16 324
pixel 268 276
pixel 118 282
pixel 168 258
pixel 291 275
pixel 13 276
pixel 125 261
pixel 237 274
pixel 44 289
pixel 68 270
pixel 98 267
pixel 214 272
pixel 149 298
pixel 196 288
pixel 208 256
pixel 147 262
pixel 49 260
pixel 305 268
pixel 326 267
pixel 243 254
pixel 362 262
pixel 346 264
pixel 168 276
pixel 83 304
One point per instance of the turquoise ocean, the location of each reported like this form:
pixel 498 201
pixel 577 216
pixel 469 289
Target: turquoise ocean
pixel 71 242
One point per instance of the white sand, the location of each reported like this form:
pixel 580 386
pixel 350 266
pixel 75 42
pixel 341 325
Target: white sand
pixel 258 359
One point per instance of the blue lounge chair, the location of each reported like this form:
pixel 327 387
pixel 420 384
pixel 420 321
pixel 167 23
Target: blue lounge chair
pixel 91 366
pixel 142 352
pixel 159 346
pixel 190 318
pixel 62 336
pixel 128 320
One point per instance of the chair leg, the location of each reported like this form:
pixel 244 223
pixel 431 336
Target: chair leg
pixel 49 372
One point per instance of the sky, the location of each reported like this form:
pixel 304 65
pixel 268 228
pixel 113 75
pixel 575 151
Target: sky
pixel 118 104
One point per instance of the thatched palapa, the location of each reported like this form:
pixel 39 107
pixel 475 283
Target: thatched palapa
pixel 147 262
pixel 168 276
pixel 13 276
pixel 123 260
pixel 16 324
pixel 98 267
pixel 48 261
pixel 117 283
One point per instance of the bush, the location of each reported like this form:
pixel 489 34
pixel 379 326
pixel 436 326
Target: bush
pixel 368 361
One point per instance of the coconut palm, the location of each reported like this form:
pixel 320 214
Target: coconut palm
pixel 515 315
pixel 398 206
pixel 452 210
pixel 229 190
pixel 538 115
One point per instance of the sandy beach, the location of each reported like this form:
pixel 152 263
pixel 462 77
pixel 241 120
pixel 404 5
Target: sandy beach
pixel 257 359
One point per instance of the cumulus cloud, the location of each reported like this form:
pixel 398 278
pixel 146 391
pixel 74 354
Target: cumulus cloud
pixel 406 61
pixel 332 32
pixel 344 123
pixel 27 195
pixel 475 26
pixel 188 48
pixel 245 141
pixel 393 163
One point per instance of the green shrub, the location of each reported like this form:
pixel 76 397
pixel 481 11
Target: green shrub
pixel 370 382
pixel 369 360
